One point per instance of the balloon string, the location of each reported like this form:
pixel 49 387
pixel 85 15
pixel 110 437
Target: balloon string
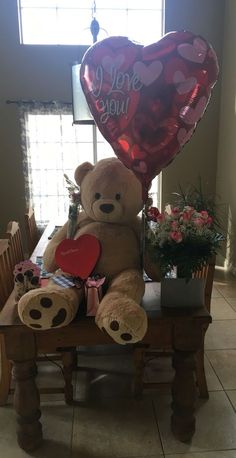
pixel 145 192
pixel 142 242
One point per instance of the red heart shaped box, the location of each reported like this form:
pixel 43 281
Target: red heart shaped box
pixel 148 100
pixel 78 257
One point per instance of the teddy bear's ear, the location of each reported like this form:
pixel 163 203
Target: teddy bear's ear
pixel 81 171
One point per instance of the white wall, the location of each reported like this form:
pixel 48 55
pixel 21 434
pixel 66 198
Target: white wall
pixel 199 157
pixel 226 170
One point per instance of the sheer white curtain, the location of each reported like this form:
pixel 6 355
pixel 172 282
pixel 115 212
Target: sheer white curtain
pixel 52 146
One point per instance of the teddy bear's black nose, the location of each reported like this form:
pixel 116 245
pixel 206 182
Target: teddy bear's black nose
pixel 107 208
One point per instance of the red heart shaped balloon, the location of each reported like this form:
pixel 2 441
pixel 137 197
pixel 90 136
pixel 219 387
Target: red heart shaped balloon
pixel 148 100
pixel 78 257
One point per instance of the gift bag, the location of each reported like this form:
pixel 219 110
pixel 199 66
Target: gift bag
pixel 93 294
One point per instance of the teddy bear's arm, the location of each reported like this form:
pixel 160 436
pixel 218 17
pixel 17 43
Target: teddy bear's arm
pixel 136 225
pixel 49 253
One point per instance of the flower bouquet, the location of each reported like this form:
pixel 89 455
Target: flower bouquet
pixel 74 195
pixel 180 239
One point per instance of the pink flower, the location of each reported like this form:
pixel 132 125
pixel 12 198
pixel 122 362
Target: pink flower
pixel 199 222
pixel 175 211
pixel 161 217
pixel 204 214
pixel 209 220
pixel 176 236
pixel 174 225
pixel 187 215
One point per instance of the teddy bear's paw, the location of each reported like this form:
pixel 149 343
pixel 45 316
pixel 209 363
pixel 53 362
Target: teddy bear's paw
pixel 125 332
pixel 45 310
pixel 119 332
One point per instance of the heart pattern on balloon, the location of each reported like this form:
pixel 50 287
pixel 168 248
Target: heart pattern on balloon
pixel 148 100
pixel 78 257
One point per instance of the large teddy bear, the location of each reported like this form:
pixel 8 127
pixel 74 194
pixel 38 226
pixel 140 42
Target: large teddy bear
pixel 111 197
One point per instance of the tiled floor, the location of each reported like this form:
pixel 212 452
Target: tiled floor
pixel 109 423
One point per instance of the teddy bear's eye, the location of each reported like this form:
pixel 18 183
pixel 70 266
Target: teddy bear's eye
pixel 118 196
pixel 97 195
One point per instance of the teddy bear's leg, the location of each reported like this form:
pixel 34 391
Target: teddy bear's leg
pixel 119 312
pixel 49 307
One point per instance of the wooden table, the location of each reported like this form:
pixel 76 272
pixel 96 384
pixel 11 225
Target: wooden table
pixel 182 330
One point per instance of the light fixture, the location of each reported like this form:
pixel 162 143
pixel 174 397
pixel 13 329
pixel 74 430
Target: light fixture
pixel 81 112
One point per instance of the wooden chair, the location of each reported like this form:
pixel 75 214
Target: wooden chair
pixel 143 354
pixel 12 255
pixel 6 285
pixel 32 232
pixel 208 273
pixel 13 234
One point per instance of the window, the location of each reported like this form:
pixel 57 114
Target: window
pixel 52 147
pixel 68 21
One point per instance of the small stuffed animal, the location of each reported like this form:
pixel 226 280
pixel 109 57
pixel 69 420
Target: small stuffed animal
pixel 111 197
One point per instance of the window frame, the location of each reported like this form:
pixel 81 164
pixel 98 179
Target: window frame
pixel 20 8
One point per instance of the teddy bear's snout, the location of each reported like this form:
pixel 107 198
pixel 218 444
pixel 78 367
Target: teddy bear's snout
pixel 107 208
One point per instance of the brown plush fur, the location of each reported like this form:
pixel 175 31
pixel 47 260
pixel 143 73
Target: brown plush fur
pixel 111 198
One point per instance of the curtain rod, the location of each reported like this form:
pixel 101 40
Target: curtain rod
pixel 48 102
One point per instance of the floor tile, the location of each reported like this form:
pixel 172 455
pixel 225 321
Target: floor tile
pixel 143 456
pixel 232 396
pixel 228 289
pixel 232 302
pixel 104 375
pixel 49 374
pixel 221 310
pixel 222 276
pixel 224 364
pixel 57 430
pixel 221 335
pixel 213 382
pixel 215 292
pixel 215 454
pixel 117 428
pixel 215 425
pixel 159 370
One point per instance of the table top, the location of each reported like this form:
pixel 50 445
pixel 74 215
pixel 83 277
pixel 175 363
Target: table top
pixel 151 301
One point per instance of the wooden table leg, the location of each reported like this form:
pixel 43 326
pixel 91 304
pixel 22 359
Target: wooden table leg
pixel 5 377
pixel 68 366
pixel 21 350
pixel 200 369
pixel 139 364
pixel 183 395
pixel 27 405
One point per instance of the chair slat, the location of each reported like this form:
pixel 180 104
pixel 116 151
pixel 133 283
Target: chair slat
pixel 32 232
pixel 13 234
pixel 6 274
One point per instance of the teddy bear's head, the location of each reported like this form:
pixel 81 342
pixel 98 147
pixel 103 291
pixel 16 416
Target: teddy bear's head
pixel 110 192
